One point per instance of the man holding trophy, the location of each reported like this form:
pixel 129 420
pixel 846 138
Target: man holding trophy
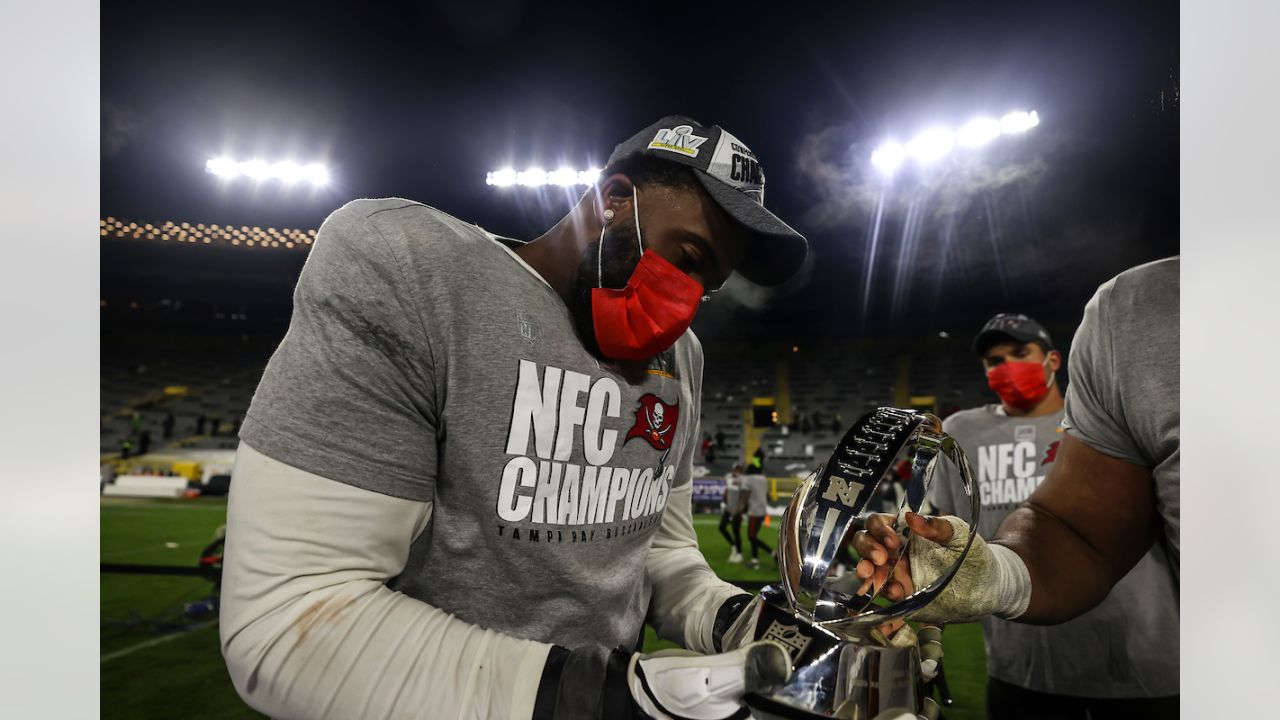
pixel 1112 494
pixel 1118 658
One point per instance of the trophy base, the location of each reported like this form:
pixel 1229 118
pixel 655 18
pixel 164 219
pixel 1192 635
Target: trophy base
pixel 831 677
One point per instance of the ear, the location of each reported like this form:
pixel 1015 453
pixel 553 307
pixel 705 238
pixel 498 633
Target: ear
pixel 614 192
pixel 1055 360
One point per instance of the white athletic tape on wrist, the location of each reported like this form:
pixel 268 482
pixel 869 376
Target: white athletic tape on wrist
pixel 991 580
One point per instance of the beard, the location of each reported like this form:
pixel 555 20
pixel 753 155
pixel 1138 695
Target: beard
pixel 621 255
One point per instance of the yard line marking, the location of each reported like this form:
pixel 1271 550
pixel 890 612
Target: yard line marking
pixel 155 641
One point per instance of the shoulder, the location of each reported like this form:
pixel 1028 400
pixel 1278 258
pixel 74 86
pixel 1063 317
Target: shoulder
pixel 687 353
pixel 407 227
pixel 1155 283
pixel 1160 274
pixel 967 419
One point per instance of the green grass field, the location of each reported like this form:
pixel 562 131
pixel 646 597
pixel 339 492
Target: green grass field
pixel 157 663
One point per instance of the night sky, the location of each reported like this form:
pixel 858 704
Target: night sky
pixel 420 100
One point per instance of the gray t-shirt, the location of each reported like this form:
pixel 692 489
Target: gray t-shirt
pixel 732 491
pixel 426 361
pixel 1123 398
pixel 758 500
pixel 1125 647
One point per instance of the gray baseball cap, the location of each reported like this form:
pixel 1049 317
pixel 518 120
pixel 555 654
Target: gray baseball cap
pixel 1006 326
pixel 731 175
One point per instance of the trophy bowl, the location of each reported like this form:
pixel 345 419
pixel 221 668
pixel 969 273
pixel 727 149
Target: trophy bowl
pixel 838 671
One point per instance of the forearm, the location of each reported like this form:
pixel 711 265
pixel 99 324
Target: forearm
pixel 1081 531
pixel 310 630
pixel 1068 575
pixel 686 592
pixel 359 649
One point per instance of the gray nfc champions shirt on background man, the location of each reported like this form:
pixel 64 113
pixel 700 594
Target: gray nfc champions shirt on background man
pixel 1127 647
pixel 453 375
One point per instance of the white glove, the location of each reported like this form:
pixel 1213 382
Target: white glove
pixel 671 684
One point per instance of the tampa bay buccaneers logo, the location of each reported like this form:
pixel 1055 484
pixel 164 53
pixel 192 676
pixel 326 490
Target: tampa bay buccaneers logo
pixel 655 422
pixel 1050 453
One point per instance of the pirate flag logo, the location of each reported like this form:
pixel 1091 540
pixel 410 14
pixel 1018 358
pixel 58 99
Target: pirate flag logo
pixel 655 422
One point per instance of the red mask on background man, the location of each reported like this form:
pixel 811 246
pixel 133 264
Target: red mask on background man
pixel 1020 384
pixel 651 312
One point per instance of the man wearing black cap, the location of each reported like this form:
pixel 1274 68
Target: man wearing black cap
pixel 466 473
pixel 1120 659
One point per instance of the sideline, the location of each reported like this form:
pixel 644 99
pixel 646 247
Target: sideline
pixel 156 641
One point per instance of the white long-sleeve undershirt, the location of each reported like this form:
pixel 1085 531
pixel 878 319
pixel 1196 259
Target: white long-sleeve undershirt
pixel 310 630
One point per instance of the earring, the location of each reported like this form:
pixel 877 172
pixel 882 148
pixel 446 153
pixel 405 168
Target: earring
pixel 608 214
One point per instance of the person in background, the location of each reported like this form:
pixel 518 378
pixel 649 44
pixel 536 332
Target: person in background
pixel 730 517
pixel 754 502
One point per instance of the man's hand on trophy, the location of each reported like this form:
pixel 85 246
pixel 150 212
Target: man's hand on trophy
pixel 992 579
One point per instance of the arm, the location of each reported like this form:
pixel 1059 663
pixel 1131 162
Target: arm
pixel 310 630
pixel 687 596
pixel 1082 530
pixel 1059 554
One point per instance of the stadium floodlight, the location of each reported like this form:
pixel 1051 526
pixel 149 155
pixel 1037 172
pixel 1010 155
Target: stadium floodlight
pixel 978 132
pixel 286 171
pixel 1016 122
pixel 255 169
pixel 537 177
pixel 533 177
pixel 317 174
pixel 931 145
pixel 888 157
pixel 505 177
pixel 223 167
pixel 564 177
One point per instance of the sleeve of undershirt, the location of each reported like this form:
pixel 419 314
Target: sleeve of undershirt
pixel 687 594
pixel 310 630
pixel 1093 413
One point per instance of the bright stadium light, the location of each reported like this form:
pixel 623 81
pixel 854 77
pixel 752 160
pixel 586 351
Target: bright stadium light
pixel 286 171
pixel 505 177
pixel 564 177
pixel 256 169
pixel 888 157
pixel 1016 122
pixel 533 177
pixel 978 132
pixel 537 177
pixel 317 174
pixel 934 144
pixel 223 167
pixel 931 145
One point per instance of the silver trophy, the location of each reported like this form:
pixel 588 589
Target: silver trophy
pixel 837 670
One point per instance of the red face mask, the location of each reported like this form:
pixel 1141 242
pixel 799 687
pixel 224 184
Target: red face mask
pixel 650 313
pixel 1019 384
